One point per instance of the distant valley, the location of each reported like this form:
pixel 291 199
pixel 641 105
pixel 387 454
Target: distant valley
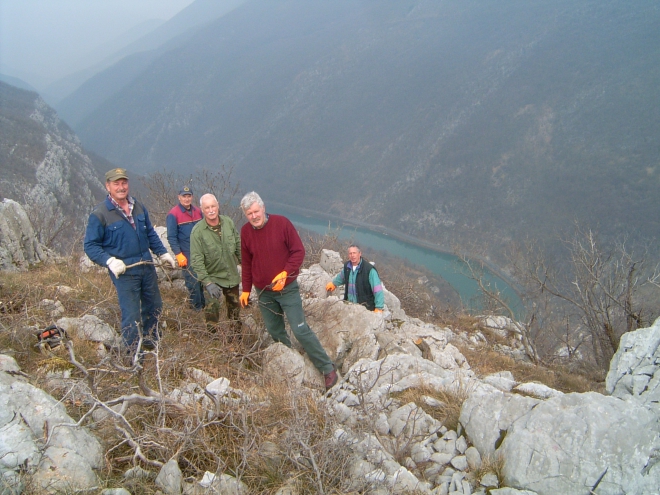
pixel 454 122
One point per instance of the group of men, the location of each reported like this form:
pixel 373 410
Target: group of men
pixel 209 249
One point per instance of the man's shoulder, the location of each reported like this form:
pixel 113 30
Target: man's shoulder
pixel 173 210
pixel 199 226
pixel 102 208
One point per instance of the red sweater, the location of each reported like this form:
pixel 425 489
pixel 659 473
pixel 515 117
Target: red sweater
pixel 267 251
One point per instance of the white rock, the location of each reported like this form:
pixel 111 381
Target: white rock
pixel 538 390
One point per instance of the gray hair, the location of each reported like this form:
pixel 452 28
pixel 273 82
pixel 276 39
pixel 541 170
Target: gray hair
pixel 249 199
pixel 208 196
pixel 354 246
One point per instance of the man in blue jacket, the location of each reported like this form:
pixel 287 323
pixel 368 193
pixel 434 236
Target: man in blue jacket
pixel 180 221
pixel 120 236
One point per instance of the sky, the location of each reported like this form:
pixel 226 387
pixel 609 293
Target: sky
pixel 43 40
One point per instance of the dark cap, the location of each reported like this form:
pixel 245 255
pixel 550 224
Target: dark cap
pixel 185 190
pixel 115 174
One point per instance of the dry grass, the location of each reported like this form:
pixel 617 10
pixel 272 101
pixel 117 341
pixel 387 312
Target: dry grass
pixel 295 421
pixel 491 464
pixel 485 361
pixel 451 399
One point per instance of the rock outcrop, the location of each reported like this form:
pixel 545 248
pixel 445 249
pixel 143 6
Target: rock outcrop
pixel 545 442
pixel 45 167
pixel 19 246
pixel 40 440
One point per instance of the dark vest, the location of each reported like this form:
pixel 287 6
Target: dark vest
pixel 363 290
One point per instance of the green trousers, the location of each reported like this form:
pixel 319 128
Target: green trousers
pixel 212 309
pixel 274 305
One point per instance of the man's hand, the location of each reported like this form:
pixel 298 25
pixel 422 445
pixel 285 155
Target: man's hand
pixel 116 266
pixel 182 260
pixel 378 310
pixel 214 290
pixel 167 258
pixel 330 287
pixel 278 281
pixel 245 299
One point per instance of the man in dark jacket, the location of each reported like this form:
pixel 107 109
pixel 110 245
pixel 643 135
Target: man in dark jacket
pixel 180 221
pixel 361 282
pixel 120 236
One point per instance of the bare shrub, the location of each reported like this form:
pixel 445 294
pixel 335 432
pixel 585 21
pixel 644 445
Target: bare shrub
pixel 163 188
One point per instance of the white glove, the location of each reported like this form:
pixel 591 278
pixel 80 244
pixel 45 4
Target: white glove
pixel 116 266
pixel 167 258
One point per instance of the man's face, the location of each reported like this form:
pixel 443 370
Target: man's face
pixel 118 189
pixel 354 255
pixel 211 209
pixel 256 215
pixel 186 200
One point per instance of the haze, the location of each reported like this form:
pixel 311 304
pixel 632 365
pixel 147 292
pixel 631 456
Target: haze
pixel 44 40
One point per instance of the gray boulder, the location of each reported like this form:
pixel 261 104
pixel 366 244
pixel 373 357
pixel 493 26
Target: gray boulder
pixel 331 262
pixel 34 437
pixel 89 327
pixel 19 246
pixel 170 478
pixel 488 413
pixel 568 443
pixel 635 368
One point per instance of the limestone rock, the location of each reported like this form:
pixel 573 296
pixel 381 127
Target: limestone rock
pixel 89 327
pixel 170 478
pixel 488 413
pixel 29 415
pixel 566 443
pixel 331 262
pixel 282 364
pixel 538 390
pixel 635 368
pixel 19 246
pixel 312 282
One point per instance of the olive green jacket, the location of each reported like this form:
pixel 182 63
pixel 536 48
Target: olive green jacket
pixel 214 259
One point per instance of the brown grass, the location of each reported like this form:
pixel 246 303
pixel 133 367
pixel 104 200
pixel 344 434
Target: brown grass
pixel 452 401
pixel 485 361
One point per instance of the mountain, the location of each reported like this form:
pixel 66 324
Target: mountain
pixel 15 81
pixel 45 168
pixel 451 121
pixel 103 79
pixel 97 60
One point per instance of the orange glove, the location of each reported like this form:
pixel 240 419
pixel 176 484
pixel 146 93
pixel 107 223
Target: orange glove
pixel 279 280
pixel 182 260
pixel 330 286
pixel 245 299
pixel 378 310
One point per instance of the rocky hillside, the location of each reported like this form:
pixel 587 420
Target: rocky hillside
pixel 450 121
pixel 200 414
pixel 45 167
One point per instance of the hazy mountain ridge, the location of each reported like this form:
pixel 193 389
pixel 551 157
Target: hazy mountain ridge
pixel 45 167
pixel 119 69
pixel 445 121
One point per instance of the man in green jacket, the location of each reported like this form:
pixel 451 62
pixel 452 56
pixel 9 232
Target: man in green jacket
pixel 215 250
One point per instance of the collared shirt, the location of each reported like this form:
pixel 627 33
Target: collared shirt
pixel 129 216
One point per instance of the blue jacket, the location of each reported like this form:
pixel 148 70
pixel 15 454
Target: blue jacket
pixel 110 234
pixel 180 223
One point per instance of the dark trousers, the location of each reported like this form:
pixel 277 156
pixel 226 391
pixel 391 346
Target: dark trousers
pixel 195 289
pixel 140 304
pixel 233 307
pixel 274 305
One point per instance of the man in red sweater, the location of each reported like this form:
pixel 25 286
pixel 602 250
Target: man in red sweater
pixel 271 256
